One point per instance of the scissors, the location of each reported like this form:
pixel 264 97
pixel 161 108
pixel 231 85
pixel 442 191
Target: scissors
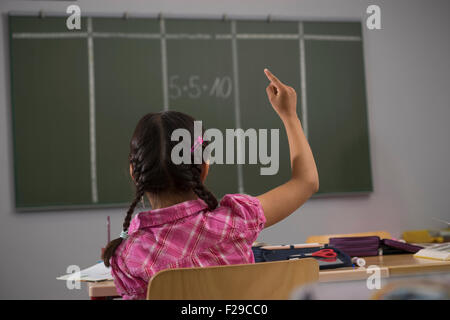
pixel 324 253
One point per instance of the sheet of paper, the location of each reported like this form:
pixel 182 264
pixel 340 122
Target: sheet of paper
pixel 98 272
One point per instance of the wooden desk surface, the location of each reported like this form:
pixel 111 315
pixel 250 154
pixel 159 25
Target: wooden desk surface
pixel 400 264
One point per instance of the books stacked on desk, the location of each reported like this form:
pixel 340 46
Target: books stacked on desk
pixel 436 251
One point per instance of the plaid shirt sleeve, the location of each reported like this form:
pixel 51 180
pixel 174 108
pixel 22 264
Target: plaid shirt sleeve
pixel 128 285
pixel 247 209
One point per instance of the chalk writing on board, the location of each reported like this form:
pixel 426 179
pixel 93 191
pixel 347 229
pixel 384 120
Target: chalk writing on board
pixel 194 88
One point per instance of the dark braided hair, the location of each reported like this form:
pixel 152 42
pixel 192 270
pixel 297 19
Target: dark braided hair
pixel 152 168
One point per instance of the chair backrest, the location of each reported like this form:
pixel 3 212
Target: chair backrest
pixel 325 238
pixel 259 281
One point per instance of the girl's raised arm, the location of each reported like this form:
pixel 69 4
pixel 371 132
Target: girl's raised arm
pixel 280 202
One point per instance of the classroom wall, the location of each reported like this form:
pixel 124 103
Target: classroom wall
pixel 408 76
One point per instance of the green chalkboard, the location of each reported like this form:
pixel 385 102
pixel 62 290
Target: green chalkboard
pixel 127 86
pixel 337 113
pixel 78 94
pixel 51 123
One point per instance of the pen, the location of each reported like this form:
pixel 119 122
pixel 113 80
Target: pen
pixel 293 246
pixel 108 226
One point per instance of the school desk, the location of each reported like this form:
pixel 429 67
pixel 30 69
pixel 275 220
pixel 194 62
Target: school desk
pixel 390 265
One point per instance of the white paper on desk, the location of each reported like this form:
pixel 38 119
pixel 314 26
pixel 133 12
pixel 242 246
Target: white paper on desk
pixel 98 272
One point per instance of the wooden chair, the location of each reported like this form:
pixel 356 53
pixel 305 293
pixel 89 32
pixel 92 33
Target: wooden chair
pixel 325 238
pixel 259 281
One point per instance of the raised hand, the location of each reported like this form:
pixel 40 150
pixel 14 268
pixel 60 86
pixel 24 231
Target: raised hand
pixel 282 97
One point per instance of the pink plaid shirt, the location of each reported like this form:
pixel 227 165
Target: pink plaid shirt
pixel 186 235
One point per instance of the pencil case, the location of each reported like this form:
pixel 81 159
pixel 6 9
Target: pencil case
pixel 266 255
pixel 357 246
pixel 389 246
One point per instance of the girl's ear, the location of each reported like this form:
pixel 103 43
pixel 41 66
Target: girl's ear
pixel 131 172
pixel 205 170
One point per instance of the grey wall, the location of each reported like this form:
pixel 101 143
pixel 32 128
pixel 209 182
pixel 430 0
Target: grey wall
pixel 408 75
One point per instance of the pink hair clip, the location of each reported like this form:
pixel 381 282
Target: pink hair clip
pixel 198 142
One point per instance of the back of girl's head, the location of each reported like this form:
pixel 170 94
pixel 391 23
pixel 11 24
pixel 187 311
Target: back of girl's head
pixel 152 168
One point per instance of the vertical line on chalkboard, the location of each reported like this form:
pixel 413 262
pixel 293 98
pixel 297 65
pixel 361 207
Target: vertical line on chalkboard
pixel 303 78
pixel 162 25
pixel 92 141
pixel 237 107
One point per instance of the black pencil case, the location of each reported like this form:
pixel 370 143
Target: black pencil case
pixel 390 246
pixel 266 255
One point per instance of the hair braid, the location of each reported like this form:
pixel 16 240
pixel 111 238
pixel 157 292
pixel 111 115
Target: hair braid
pixel 114 244
pixel 126 222
pixel 200 190
pixel 140 191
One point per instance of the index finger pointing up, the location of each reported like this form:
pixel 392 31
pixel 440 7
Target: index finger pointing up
pixel 272 78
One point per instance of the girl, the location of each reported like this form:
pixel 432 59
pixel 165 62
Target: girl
pixel 186 227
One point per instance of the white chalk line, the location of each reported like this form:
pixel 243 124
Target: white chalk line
pixel 92 129
pixel 237 106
